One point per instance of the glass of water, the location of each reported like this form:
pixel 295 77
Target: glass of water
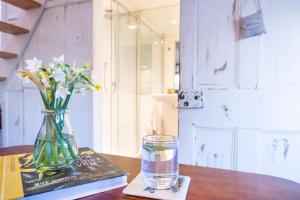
pixel 160 161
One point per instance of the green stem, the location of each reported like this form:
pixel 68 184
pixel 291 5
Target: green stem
pixel 60 139
pixel 71 150
pixel 53 96
pixel 68 97
pixel 44 100
pixel 48 142
pixel 55 152
pixel 41 154
pixel 67 142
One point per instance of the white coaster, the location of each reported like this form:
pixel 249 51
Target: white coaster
pixel 137 188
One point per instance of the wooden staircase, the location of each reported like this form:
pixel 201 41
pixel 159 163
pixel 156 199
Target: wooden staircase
pixel 6 55
pixel 13 29
pixel 24 4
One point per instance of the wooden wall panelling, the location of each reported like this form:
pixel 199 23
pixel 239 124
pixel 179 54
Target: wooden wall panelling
pixel 12 115
pixel 78 48
pixel 32 117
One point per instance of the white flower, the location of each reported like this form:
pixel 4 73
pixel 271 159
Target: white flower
pixel 59 75
pixel 60 59
pixel 33 65
pixel 51 65
pixel 45 82
pixel 80 70
pixel 82 91
pixel 61 93
pixel 93 77
pixel 25 80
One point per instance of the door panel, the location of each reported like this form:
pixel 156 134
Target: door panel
pixel 269 152
pixel 214 147
pixel 216 61
pixel 277 154
pixel 280 48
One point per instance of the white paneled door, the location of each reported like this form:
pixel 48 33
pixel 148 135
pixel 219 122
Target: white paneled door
pixel 250 120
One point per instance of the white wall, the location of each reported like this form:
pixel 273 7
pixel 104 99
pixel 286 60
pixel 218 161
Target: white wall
pixel 64 29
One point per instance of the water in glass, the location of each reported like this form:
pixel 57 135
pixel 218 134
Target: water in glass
pixel 160 161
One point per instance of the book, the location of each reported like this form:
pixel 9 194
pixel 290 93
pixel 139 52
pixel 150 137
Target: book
pixel 90 174
pixel 178 192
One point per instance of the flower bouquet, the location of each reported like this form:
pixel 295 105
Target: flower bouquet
pixel 55 145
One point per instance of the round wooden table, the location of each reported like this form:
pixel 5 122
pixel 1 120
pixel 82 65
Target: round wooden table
pixel 206 183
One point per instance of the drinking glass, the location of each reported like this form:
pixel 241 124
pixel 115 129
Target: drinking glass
pixel 160 161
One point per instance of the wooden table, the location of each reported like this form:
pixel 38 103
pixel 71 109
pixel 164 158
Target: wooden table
pixel 206 183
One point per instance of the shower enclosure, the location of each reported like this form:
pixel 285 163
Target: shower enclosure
pixel 136 74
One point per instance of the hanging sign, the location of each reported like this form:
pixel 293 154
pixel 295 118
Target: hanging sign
pixel 251 25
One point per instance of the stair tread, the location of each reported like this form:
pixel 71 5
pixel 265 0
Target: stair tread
pixel 2 78
pixel 5 54
pixel 24 4
pixel 12 29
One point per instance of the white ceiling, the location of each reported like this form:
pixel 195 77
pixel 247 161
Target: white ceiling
pixel 159 14
pixel 148 4
pixel 163 19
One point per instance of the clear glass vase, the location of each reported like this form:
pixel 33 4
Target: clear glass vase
pixel 55 146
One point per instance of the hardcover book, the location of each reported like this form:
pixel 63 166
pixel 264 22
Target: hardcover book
pixel 90 174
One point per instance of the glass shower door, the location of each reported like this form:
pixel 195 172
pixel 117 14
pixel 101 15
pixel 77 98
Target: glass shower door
pixel 125 96
pixel 137 71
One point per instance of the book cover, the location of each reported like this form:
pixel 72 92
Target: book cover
pixel 20 178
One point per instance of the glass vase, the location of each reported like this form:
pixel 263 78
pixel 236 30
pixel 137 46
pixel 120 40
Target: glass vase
pixel 55 146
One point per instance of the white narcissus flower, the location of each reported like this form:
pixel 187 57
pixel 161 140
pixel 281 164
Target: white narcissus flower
pixel 51 65
pixel 58 75
pixel 45 82
pixel 61 93
pixel 82 91
pixel 25 80
pixel 33 65
pixel 93 77
pixel 60 59
pixel 79 70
